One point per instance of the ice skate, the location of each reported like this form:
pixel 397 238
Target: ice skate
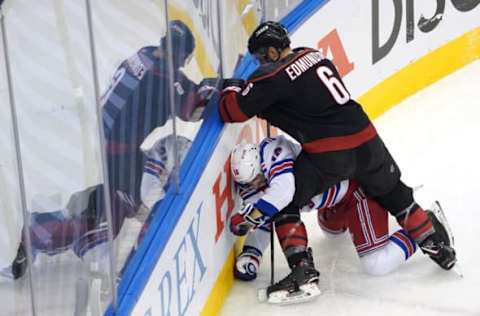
pixel 439 246
pixel 19 264
pixel 299 286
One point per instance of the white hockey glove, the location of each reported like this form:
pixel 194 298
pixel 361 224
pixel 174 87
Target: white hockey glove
pixel 247 264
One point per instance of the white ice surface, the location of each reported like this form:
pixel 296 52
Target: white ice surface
pixel 433 136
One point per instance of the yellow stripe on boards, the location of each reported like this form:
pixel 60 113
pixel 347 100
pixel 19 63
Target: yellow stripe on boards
pixel 249 20
pixel 200 53
pixel 221 288
pixel 421 73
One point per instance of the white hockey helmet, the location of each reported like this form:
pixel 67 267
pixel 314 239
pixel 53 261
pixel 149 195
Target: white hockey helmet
pixel 245 163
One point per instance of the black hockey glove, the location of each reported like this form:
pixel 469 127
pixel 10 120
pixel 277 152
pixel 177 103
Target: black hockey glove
pixel 208 87
pixel 210 82
pixel 233 82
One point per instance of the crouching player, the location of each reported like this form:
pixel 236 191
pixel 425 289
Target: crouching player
pixel 264 177
pixel 77 226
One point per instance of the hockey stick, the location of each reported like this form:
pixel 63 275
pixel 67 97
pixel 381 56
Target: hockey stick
pixel 272 238
pixel 262 292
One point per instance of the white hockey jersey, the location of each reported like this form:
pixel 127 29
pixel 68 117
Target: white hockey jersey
pixel 159 165
pixel 277 156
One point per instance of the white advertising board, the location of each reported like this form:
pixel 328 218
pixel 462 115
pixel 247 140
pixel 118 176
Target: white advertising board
pixel 198 246
pixel 371 40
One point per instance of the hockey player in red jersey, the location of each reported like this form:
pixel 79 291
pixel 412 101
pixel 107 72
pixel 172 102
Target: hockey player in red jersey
pixel 265 181
pixel 300 91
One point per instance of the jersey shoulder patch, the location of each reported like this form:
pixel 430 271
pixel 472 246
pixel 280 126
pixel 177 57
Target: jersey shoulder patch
pixel 276 156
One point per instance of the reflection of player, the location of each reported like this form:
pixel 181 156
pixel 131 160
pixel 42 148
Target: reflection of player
pixel 57 231
pixel 138 101
pixel 342 207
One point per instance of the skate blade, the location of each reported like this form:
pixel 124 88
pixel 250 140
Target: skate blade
pixel 458 270
pixel 306 293
pixel 440 214
pixel 438 211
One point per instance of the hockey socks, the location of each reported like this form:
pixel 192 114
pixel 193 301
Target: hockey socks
pixel 293 238
pixel 399 248
pixel 416 223
pixel 406 244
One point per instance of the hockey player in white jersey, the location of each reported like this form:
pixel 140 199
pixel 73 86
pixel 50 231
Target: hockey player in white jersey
pixel 266 184
pixel 52 233
pixel 265 179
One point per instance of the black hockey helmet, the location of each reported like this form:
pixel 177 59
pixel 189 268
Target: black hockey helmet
pixel 183 41
pixel 268 34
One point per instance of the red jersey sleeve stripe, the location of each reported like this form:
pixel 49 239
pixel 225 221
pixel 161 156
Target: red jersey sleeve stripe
pixel 281 167
pixel 340 142
pixel 230 109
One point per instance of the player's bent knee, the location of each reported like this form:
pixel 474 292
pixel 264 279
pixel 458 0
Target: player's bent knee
pixel 383 261
pixel 373 264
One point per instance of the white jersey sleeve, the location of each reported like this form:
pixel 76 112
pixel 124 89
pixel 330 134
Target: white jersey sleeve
pixel 277 156
pixel 328 198
pixel 159 165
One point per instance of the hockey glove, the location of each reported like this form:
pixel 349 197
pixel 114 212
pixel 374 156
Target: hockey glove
pixel 247 263
pixel 233 84
pixel 208 87
pixel 248 218
pixel 192 110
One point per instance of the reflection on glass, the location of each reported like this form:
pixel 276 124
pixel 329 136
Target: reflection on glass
pixel 276 11
pixel 135 104
pixel 14 293
pixel 55 111
pixel 56 106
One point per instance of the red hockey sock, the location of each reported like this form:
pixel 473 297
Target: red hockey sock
pixel 417 224
pixel 293 239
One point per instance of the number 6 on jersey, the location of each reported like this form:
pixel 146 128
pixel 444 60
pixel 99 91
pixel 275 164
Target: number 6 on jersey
pixel 335 86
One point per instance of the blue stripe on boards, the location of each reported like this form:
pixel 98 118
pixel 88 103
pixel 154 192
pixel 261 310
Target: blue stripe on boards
pixel 137 273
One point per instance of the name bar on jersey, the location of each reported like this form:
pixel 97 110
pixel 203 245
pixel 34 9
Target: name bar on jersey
pixel 303 64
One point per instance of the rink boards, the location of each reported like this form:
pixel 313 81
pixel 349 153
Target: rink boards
pixel 382 62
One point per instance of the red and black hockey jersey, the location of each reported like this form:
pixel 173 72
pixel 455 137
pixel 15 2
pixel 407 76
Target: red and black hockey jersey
pixel 304 96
